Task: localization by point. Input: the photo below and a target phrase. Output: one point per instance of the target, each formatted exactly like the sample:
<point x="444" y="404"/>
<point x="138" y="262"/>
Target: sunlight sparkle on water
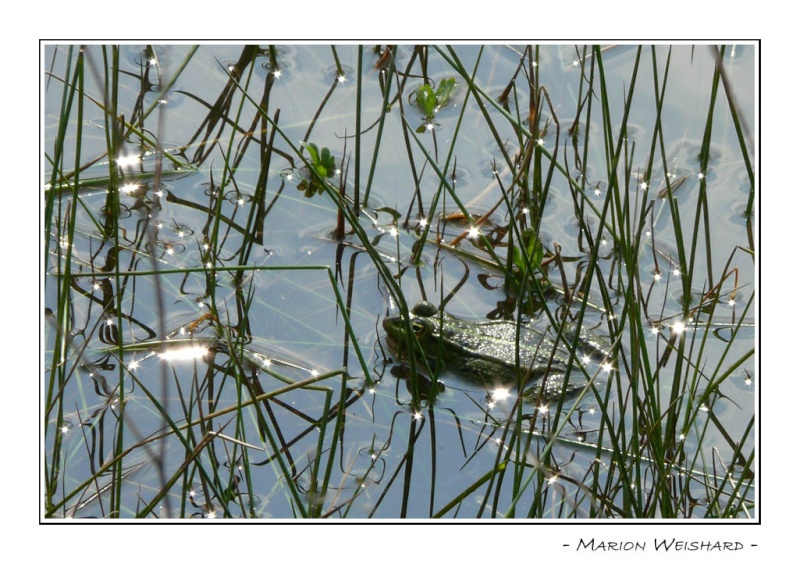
<point x="500" y="394"/>
<point x="393" y="231"/>
<point x="643" y="185"/>
<point x="678" y="327"/>
<point x="128" y="161"/>
<point x="423" y="222"/>
<point x="417" y="415"/>
<point x="341" y="78"/>
<point x="128" y="188"/>
<point x="276" y="73"/>
<point x="473" y="233"/>
<point x="193" y="352"/>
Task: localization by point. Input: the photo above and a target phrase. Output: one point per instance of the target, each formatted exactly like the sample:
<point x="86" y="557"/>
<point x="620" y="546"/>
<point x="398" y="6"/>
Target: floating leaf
<point x="445" y="89"/>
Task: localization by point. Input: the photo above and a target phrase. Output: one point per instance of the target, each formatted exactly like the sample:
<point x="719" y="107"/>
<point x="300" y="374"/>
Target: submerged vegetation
<point x="227" y="227"/>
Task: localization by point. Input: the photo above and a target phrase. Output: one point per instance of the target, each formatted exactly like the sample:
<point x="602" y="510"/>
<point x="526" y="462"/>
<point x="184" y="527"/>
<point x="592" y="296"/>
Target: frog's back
<point x="491" y="352"/>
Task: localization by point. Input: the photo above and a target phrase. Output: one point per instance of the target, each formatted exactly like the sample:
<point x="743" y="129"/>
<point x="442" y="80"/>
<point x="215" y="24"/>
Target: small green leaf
<point x="328" y="162"/>
<point x="533" y="247"/>
<point x="445" y="89"/>
<point x="313" y="153"/>
<point x="426" y="100"/>
<point x="516" y="257"/>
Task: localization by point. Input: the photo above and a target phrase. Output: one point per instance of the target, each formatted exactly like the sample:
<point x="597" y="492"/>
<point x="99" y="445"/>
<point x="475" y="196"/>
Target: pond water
<point x="213" y="341"/>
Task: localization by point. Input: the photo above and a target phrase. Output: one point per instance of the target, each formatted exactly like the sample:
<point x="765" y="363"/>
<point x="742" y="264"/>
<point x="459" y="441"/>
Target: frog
<point x="485" y="352"/>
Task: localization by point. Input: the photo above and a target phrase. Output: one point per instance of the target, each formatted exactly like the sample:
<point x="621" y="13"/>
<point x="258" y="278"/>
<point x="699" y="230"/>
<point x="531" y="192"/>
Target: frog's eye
<point x="417" y="327"/>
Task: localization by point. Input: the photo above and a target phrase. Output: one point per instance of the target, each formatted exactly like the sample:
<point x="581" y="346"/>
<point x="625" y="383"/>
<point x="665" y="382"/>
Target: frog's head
<point x="423" y="324"/>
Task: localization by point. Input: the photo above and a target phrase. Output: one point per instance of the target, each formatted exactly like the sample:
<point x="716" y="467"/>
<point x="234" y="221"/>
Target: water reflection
<point x="503" y="208"/>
